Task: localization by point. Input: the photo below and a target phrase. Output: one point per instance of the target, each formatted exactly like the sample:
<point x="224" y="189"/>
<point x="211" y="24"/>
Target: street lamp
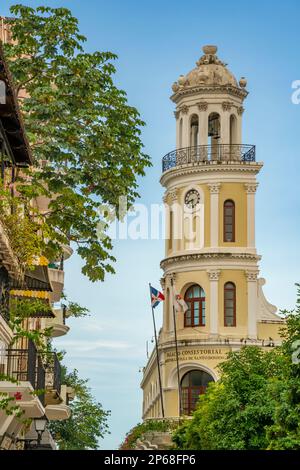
<point x="40" y="427"/>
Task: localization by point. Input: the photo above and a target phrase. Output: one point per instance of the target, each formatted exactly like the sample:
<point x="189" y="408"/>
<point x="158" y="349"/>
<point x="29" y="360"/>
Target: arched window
<point x="229" y="304"/>
<point x="193" y="384"/>
<point x="195" y="299"/>
<point x="229" y="221"/>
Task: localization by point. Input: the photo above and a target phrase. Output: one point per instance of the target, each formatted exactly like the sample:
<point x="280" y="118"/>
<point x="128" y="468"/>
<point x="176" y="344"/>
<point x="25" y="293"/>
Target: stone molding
<point x="207" y="90"/>
<point x="189" y="169"/>
<point x="173" y="194"/>
<point x="208" y="256"/>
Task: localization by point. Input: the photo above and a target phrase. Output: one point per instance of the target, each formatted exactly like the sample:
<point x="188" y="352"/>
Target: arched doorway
<point x="193" y="384"/>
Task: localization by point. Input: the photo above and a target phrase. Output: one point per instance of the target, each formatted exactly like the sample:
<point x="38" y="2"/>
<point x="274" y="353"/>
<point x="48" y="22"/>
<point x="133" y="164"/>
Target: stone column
<point x="251" y="189"/>
<point x="252" y="302"/>
<point x="185" y="126"/>
<point x="214" y="214"/>
<point x="203" y="122"/>
<point x="177" y="219"/>
<point x="225" y="122"/>
<point x="214" y="275"/>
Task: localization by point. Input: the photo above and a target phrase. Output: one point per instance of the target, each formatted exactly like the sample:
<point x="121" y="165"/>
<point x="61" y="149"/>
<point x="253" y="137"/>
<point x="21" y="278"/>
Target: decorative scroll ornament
<point x="214" y="188"/>
<point x="184" y="109"/>
<point x="251" y="275"/>
<point x="173" y="194"/>
<point x="214" y="274"/>
<point x="227" y="105"/>
<point x="240" y="110"/>
<point x="202" y="105"/>
<point x="251" y="187"/>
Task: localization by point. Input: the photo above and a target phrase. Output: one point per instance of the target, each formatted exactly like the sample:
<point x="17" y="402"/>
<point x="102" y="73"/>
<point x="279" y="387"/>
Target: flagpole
<point x="176" y="349"/>
<point x="157" y="358"/>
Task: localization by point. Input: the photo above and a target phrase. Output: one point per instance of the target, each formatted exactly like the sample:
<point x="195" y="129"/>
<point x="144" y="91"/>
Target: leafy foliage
<point x="84" y="135"/>
<point x="151" y="425"/>
<point x="88" y="421"/>
<point x="255" y="404"/>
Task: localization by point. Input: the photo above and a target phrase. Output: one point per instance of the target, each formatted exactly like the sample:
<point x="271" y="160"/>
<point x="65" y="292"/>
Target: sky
<point x="156" y="41"/>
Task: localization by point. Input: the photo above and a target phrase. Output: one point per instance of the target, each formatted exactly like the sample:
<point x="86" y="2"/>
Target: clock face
<point x="192" y="198"/>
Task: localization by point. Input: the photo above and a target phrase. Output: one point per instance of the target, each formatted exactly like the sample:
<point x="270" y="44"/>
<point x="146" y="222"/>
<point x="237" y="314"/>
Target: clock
<point x="192" y="198"/>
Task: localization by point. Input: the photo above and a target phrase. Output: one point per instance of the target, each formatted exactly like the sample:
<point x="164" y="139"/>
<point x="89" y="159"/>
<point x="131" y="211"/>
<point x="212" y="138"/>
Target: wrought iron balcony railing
<point x="203" y="154"/>
<point x="25" y="365"/>
<point x="42" y="370"/>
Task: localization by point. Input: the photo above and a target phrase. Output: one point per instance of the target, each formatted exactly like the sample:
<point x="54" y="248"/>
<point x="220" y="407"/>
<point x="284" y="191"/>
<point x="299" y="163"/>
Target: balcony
<point x="55" y="395"/>
<point x="58" y="323"/>
<point x="209" y="154"/>
<point x="57" y="279"/>
<point x="25" y="368"/>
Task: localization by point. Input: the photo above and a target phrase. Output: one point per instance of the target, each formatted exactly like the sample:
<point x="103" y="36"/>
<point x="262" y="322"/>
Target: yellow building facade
<point x="210" y="252"/>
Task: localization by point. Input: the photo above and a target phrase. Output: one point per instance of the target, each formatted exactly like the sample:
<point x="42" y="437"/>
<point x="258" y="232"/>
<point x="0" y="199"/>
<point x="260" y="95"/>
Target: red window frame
<point x="231" y="289"/>
<point x="229" y="204"/>
<point x="190" y="301"/>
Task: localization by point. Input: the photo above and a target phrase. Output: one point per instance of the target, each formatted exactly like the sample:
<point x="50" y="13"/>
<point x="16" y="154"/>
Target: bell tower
<point x="210" y="251"/>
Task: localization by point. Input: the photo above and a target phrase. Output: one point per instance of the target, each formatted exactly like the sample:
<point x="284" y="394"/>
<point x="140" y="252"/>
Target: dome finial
<point x="210" y="49"/>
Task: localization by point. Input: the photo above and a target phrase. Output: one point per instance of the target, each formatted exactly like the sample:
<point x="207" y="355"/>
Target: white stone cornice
<point x="205" y="90"/>
<point x="209" y="169"/>
<point x="214" y="274"/>
<point x="251" y="275"/>
<point x="201" y="260"/>
<point x="251" y="187"/>
<point x="214" y="188"/>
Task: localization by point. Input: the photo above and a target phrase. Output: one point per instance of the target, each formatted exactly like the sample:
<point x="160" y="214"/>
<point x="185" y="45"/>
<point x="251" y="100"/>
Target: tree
<point x="256" y="403"/>
<point x="88" y="421"/>
<point x="84" y="136"/>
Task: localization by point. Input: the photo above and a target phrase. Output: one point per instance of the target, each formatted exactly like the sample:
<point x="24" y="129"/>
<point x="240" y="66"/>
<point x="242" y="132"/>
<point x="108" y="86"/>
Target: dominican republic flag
<point x="156" y="297"/>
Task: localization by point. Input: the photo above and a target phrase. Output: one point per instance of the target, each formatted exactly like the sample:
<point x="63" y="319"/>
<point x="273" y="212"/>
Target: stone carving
<point x="163" y="283"/>
<point x="176" y="114"/>
<point x="251" y="187"/>
<point x="251" y="275"/>
<point x="173" y="194"/>
<point x="184" y="109"/>
<point x="240" y="110"/>
<point x="227" y="105"/>
<point x="214" y="188"/>
<point x="214" y="274"/>
<point x="202" y="105"/>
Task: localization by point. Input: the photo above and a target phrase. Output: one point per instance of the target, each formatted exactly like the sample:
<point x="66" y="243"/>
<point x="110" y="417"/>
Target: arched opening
<point x="193" y="384"/>
<point x="234" y="150"/>
<point x="194" y="131"/>
<point x="195" y="300"/>
<point x="229" y="304"/>
<point x="180" y="133"/>
<point x="214" y="134"/>
<point x="229" y="221"/>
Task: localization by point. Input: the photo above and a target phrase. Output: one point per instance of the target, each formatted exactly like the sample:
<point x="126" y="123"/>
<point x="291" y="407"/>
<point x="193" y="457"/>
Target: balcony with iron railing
<point x="209" y="154"/>
<point x="24" y="366"/>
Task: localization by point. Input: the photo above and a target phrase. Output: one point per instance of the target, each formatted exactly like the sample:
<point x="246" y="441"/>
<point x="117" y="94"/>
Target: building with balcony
<point x="29" y="378"/>
<point x="210" y="259"/>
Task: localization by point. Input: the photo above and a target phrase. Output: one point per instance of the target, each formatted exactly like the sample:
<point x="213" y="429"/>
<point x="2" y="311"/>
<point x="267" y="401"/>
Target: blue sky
<point x="156" y="41"/>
